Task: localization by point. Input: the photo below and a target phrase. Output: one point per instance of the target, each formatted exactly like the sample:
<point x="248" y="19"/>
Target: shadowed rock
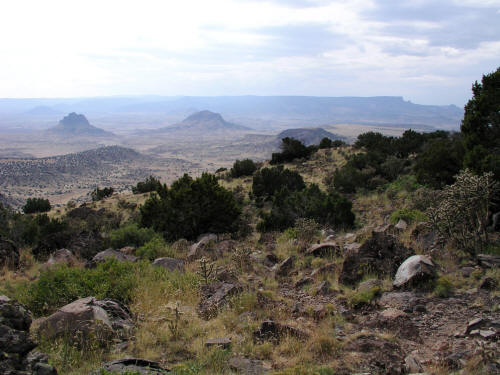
<point x="132" y="366"/>
<point x="415" y="270"/>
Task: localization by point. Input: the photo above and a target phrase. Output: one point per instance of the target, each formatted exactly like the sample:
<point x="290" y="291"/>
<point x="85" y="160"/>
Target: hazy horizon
<point x="429" y="52"/>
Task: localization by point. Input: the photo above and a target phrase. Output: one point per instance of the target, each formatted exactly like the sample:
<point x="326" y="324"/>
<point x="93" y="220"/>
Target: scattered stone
<point x="132" y="366"/>
<point x="61" y="256"/>
<point x="104" y="319"/>
<point x="401" y="225"/>
<point x="324" y="249"/>
<point x="284" y="267"/>
<point x="405" y="301"/>
<point x="413" y="365"/>
<point x="323" y="288"/>
<point x="170" y="264"/>
<point x="16" y="342"/>
<point x="414" y="271"/>
<point x="488" y="283"/>
<point x="381" y="254"/>
<point x="368" y="285"/>
<point x="247" y="366"/>
<point x="223" y="342"/>
<point x="109" y="254"/>
<point x="9" y="254"/>
<point x="420" y="308"/>
<point x="476" y="324"/>
<point x="398" y="322"/>
<point x="326" y="268"/>
<point x="303" y="281"/>
<point x="273" y="331"/>
<point x="214" y="296"/>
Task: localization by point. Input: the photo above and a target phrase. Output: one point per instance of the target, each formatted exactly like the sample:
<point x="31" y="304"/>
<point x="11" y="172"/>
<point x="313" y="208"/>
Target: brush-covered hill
<point x="203" y="123"/>
<point x="77" y="125"/>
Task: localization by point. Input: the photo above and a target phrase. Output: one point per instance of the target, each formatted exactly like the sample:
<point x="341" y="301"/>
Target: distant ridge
<point x="308" y="136"/>
<point x="77" y="125"/>
<point x="204" y="123"/>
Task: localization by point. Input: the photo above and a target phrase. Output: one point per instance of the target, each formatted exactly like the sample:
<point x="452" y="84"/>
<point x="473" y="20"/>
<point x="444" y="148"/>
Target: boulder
<point x="170" y="264"/>
<point x="128" y="250"/>
<point x="61" y="256"/>
<point x="405" y="301"/>
<point x="397" y="322"/>
<point x="413" y="365"/>
<point x="425" y="237"/>
<point x="324" y="249"/>
<point x="381" y="254"/>
<point x="203" y="248"/>
<point x="488" y="283"/>
<point x="222" y="342"/>
<point x="214" y="296"/>
<point x="285" y="267"/>
<point x="109" y="254"/>
<point x="16" y="342"/>
<point x="132" y="366"/>
<point x="9" y="254"/>
<point x="104" y="319"/>
<point x="303" y="281"/>
<point x="414" y="271"/>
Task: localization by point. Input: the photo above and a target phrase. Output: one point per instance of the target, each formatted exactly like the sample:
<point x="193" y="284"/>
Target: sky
<point x="428" y="51"/>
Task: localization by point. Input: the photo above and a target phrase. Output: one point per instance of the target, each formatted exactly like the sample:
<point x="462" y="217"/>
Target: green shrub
<point x="311" y="203"/>
<point x="291" y="149"/>
<point x="408" y="215"/>
<point x="155" y="248"/>
<point x="34" y="205"/>
<point x="150" y="184"/>
<point x="360" y="298"/>
<point x="244" y="167"/>
<point x="268" y="181"/>
<point x="131" y="235"/>
<point x="444" y="287"/>
<point x="191" y="207"/>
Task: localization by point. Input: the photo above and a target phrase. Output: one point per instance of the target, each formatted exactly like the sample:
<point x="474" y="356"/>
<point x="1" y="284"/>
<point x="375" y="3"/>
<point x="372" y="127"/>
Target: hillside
<point x="73" y="176"/>
<point x="77" y="125"/>
<point x="202" y="123"/>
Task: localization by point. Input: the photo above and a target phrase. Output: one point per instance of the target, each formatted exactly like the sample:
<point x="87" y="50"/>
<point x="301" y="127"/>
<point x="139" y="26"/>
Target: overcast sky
<point x="428" y="51"/>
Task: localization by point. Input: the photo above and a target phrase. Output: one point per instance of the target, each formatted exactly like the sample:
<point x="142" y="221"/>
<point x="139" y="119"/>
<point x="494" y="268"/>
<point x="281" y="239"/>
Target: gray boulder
<point x="415" y="270"/>
<point x="105" y="319"/>
<point x="61" y="256"/>
<point x="109" y="254"/>
<point x="202" y="248"/>
<point x="214" y="296"/>
<point x="170" y="264"/>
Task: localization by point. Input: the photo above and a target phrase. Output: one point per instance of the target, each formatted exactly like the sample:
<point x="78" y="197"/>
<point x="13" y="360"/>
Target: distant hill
<point x="43" y="110"/>
<point x="308" y="136"/>
<point x="202" y="123"/>
<point x="77" y="125"/>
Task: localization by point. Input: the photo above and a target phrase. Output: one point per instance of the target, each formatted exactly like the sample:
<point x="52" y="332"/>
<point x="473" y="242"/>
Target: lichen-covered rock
<point x="415" y="270"/>
<point x="381" y="254"/>
<point x="61" y="256"/>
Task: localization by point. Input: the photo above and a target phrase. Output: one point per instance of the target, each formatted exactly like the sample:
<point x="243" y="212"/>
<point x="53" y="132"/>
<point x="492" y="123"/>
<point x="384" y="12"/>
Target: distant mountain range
<point x="308" y="110"/>
<point x="77" y="125"/>
<point x="308" y="136"/>
<point x="202" y="123"/>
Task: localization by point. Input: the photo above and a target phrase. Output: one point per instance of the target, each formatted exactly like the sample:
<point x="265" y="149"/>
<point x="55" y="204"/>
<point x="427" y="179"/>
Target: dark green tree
<point x="268" y="181"/>
<point x="481" y="126"/>
<point x="244" y="167"/>
<point x="291" y="149"/>
<point x="150" y="184"/>
<point x="191" y="207"/>
<point x="35" y="205"/>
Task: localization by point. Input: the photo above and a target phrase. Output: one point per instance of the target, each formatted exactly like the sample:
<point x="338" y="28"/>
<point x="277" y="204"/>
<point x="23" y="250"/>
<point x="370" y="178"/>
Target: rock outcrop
<point x="415" y="270"/>
<point x="9" y="254"/>
<point x="132" y="366"/>
<point x="16" y="344"/>
<point x="109" y="254"/>
<point x="104" y="319"/>
<point x="381" y="254"/>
